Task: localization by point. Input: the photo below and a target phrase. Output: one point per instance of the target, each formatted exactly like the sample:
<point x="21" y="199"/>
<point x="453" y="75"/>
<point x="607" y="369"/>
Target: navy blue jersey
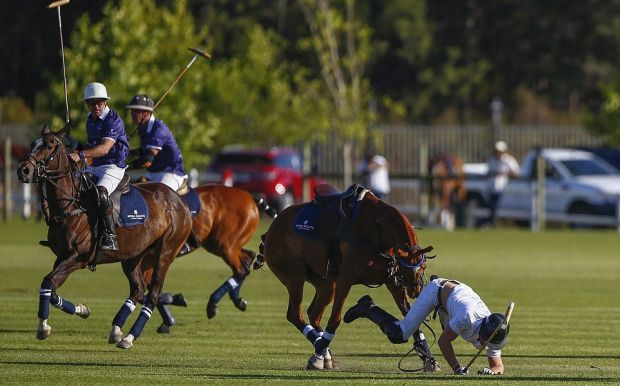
<point x="111" y="126"/>
<point x="158" y="136"/>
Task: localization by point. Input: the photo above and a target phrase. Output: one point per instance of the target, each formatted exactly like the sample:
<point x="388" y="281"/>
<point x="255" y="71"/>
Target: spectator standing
<point x="375" y="175"/>
<point x="501" y="167"/>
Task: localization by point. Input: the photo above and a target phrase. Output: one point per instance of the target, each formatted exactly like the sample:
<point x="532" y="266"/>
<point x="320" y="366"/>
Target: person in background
<point x="375" y="175"/>
<point x="501" y="167"/>
<point x="461" y="313"/>
<point x="108" y="148"/>
<point x="159" y="153"/>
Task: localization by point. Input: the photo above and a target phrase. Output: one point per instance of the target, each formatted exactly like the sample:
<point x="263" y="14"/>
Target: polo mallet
<point x="197" y="53"/>
<point x="505" y="322"/>
<point x="57" y="5"/>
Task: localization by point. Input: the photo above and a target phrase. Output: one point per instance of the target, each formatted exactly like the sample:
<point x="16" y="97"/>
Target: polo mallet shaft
<point x="57" y="5"/>
<point x="506" y="320"/>
<point x="197" y="53"/>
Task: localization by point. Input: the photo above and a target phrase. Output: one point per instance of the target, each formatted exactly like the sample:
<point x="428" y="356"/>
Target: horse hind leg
<point x="323" y="296"/>
<point x="232" y="286"/>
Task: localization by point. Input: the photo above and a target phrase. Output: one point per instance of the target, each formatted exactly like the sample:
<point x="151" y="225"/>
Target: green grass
<point x="564" y="328"/>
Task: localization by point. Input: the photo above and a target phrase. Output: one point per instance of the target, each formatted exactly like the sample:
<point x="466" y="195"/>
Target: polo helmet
<point x="141" y="102"/>
<point x="95" y="90"/>
<point x="489" y="324"/>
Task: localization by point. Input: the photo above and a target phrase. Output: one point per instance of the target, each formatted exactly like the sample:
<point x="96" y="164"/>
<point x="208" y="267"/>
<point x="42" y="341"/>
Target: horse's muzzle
<point x="25" y="172"/>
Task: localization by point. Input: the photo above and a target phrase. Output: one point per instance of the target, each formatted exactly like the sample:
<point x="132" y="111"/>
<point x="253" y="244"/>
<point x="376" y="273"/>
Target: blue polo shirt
<point x="157" y="135"/>
<point x="108" y="125"/>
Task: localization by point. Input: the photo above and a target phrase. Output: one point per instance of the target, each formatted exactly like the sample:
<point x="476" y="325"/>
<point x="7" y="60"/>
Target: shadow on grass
<point x="375" y="355"/>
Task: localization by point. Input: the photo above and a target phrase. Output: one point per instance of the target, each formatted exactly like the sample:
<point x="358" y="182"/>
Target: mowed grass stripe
<point x="564" y="283"/>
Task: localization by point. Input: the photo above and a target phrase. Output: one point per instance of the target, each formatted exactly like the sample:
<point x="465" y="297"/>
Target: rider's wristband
<point x="81" y="154"/>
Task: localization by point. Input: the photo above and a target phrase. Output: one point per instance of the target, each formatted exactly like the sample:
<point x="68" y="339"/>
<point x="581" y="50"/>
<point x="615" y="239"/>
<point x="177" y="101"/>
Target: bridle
<point x="42" y="174"/>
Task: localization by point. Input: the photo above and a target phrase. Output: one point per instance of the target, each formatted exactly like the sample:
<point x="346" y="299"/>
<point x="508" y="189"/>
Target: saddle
<point x="328" y="217"/>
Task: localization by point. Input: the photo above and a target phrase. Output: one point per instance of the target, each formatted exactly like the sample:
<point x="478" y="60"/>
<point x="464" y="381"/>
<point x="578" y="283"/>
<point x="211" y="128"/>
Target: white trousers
<point x="421" y="308"/>
<point x="109" y="176"/>
<point x="173" y="181"/>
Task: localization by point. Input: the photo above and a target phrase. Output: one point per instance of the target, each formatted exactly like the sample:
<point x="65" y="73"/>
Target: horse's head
<point x="46" y="153"/>
<point x="399" y="236"/>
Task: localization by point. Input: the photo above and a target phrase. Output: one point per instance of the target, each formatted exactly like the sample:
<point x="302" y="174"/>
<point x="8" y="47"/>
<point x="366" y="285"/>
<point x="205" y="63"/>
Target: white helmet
<point x="95" y="91"/>
<point x="501" y="146"/>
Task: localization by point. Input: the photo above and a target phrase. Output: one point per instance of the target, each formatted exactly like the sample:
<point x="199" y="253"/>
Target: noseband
<point x="41" y="171"/>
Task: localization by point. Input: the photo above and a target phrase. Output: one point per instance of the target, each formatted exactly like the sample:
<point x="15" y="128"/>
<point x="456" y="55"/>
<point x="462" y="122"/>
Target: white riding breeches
<point x="109" y="176"/>
<point x="173" y="181"/>
<point x="421" y="308"/>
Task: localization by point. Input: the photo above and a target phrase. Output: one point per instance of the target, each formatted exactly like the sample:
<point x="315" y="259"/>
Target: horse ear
<point x="45" y="130"/>
<point x="62" y="132"/>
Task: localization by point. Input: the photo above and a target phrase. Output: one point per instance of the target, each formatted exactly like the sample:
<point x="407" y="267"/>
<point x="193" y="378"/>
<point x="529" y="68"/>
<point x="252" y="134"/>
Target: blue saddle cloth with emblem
<point x="307" y="221"/>
<point x="133" y="209"/>
<point x="193" y="201"/>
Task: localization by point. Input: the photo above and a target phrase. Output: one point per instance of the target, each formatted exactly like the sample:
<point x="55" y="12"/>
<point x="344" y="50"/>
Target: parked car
<point x="276" y="173"/>
<point x="576" y="182"/>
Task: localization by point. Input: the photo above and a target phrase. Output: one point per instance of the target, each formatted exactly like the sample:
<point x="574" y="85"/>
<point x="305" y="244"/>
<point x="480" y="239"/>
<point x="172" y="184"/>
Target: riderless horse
<point x="151" y="241"/>
<point x="447" y="189"/>
<point x="224" y="221"/>
<point x="335" y="242"/>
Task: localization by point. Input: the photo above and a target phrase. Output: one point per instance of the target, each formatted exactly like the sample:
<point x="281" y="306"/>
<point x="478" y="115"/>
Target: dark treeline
<point x="442" y="61"/>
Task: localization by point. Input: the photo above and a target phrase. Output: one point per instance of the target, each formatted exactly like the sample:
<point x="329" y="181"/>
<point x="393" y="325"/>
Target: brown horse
<point x="226" y="222"/>
<point x="72" y="236"/>
<point x="377" y="246"/>
<point x="447" y="189"/>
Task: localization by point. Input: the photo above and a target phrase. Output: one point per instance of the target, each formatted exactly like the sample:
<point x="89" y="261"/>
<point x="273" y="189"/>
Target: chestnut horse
<point x="447" y="189"/>
<point x="226" y="222"/>
<point x="377" y="246"/>
<point x="72" y="236"/>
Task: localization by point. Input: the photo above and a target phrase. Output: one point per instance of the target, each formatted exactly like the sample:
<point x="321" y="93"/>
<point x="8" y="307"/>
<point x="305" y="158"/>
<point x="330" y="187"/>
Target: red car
<point x="275" y="173"/>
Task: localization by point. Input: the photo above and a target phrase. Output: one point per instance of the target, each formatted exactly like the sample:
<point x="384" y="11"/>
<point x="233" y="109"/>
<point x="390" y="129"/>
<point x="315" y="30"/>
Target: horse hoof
<point x="328" y="363"/>
<point x="82" y="311"/>
<point x="44" y="332"/>
<point x="116" y="335"/>
<point x="163" y="329"/>
<point x="241" y="304"/>
<point x="315" y="363"/>
<point x="125" y="344"/>
<point x="211" y="310"/>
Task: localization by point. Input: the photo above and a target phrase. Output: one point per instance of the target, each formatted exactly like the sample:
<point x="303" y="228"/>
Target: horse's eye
<point x="49" y="147"/>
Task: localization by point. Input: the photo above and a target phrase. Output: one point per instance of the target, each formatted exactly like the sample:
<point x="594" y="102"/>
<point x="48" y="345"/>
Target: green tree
<point x="341" y="43"/>
<point x="137" y="47"/>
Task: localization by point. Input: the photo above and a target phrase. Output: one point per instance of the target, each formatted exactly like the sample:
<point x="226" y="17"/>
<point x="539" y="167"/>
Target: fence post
<point x="7" y="179"/>
<point x="27" y="197"/>
<point x="537" y="217"/>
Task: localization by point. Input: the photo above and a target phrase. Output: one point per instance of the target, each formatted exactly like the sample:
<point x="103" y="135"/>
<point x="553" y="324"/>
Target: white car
<point x="577" y="182"/>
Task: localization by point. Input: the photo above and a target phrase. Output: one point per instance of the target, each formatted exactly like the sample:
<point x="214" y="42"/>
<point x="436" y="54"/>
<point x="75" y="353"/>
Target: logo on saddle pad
<point x="305" y="227"/>
<point x="135" y="215"/>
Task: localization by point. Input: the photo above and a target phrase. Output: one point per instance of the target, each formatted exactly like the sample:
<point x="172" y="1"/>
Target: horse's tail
<point x="262" y="205"/>
<point x="260" y="257"/>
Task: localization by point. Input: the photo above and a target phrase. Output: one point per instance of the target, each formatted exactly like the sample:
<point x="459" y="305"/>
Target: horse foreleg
<point x="132" y="271"/>
<point x="323" y="296"/>
<point x="47" y="295"/>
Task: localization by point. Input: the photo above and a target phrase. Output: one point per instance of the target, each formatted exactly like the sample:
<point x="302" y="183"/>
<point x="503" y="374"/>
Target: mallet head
<point x="199" y="52"/>
<point x="58" y="3"/>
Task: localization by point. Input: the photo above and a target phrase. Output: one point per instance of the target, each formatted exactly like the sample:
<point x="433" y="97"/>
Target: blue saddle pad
<point x="193" y="201"/>
<point x="133" y="209"/>
<point x="307" y="221"/>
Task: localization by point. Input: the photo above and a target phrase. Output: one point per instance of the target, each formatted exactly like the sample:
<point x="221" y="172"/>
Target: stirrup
<point x="109" y="243"/>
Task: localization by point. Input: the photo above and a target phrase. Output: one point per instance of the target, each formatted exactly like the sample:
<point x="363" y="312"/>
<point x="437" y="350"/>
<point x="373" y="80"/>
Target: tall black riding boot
<point x="424" y="352"/>
<point x="105" y="210"/>
<point x="366" y="308"/>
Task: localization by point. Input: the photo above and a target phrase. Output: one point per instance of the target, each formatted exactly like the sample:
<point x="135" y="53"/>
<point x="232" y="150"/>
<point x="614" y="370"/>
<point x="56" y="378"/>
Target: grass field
<point x="566" y="286"/>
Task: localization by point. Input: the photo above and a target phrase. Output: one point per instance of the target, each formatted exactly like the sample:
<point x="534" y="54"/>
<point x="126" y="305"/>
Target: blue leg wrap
<point x="323" y="342"/>
<point x="44" y="302"/>
<point x="63" y="304"/>
<point x="123" y="313"/>
<point x="235" y="291"/>
<point x="220" y="292"/>
<point x="310" y="333"/>
<point x="138" y="326"/>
